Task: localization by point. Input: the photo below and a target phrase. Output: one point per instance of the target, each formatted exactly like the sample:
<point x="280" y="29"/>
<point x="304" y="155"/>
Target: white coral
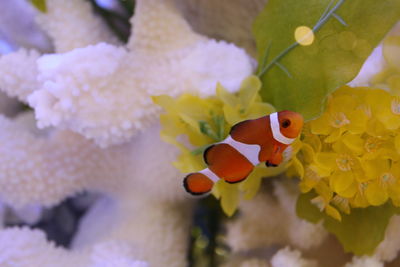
<point x="19" y="73"/>
<point x="390" y="246"/>
<point x="157" y="232"/>
<point x="95" y="88"/>
<point x="27" y="248"/>
<point x="302" y="234"/>
<point x="291" y="258"/>
<point x="72" y="24"/>
<point x="364" y="262"/>
<point x="46" y="169"/>
<point x="280" y="223"/>
<point x="24" y="247"/>
<point x="114" y="254"/>
<point x="56" y="165"/>
<point x="103" y="91"/>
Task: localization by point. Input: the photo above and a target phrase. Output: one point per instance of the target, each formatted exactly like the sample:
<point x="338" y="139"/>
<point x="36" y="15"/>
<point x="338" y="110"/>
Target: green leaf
<point x="40" y="5"/>
<point x="299" y="78"/>
<point x="360" y="232"/>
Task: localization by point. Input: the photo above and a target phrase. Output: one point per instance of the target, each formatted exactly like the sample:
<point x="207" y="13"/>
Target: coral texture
<point x="89" y="70"/>
<point x="280" y="224"/>
<point x="91" y="97"/>
<point x="96" y="93"/>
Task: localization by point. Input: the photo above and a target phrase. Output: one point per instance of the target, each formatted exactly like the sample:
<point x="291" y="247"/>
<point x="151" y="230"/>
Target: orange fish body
<point x="249" y="143"/>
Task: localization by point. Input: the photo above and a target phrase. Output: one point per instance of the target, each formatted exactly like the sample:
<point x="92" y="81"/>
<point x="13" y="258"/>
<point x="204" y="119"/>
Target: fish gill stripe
<point x="250" y="152"/>
<point x="276" y="131"/>
<point x="210" y="174"/>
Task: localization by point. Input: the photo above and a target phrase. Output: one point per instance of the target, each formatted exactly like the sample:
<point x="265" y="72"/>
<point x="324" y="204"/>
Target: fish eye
<point x="285" y="123"/>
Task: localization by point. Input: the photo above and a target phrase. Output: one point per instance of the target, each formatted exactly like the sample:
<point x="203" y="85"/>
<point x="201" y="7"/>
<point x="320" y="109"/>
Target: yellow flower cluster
<point x="192" y="123"/>
<point x="350" y="154"/>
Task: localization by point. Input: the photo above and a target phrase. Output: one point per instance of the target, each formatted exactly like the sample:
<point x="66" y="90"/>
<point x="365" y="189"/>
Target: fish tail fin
<point x="198" y="183"/>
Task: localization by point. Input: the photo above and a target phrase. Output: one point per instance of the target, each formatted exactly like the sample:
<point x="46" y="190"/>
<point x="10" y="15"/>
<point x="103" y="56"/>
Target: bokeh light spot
<point x="304" y="35"/>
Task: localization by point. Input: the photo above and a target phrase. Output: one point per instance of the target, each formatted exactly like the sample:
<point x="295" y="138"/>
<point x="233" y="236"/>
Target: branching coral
<point x="19" y="73"/>
<point x="158" y="233"/>
<point x="81" y="23"/>
<point x="280" y="224"/>
<point x="364" y="262"/>
<point x="46" y="169"/>
<point x="60" y="164"/>
<point x="284" y="257"/>
<point x="101" y="90"/>
<point x="26" y="248"/>
<point x="291" y="258"/>
<point x="95" y="92"/>
<point x="159" y="58"/>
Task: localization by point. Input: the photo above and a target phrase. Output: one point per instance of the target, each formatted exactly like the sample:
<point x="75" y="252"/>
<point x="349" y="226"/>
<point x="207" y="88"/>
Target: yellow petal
<point x="226" y="97"/>
<point x="358" y="120"/>
<point x="397" y="143"/>
<point x="390" y="121"/>
<point x="321" y="125"/>
<point x="376" y="128"/>
<point x="248" y="91"/>
<point x="342" y="103"/>
<point x="259" y="109"/>
<point x="334" y="135"/>
<point x="334" y="213"/>
<point x="325" y="163"/>
<point x="314" y="141"/>
<point x="229" y="194"/>
<point x="171" y="124"/>
<point x="194" y="124"/>
<point x="394" y="84"/>
<point x="216" y="191"/>
<point x="374" y="168"/>
<point x="311" y="178"/>
<point x="379" y="101"/>
<point x="354" y="142"/>
<point x="251" y="185"/>
<point x="304" y="188"/>
<point x="391" y="50"/>
<point x="350" y="191"/>
<point x="341" y="203"/>
<point x="165" y="101"/>
<point x="233" y="115"/>
<point x="375" y="194"/>
<point x="324" y="191"/>
<point x="359" y="200"/>
<point x="296" y="169"/>
<point x="340" y="181"/>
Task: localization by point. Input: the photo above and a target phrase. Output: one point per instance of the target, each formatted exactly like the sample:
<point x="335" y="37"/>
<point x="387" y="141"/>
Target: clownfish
<point x="249" y="143"/>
